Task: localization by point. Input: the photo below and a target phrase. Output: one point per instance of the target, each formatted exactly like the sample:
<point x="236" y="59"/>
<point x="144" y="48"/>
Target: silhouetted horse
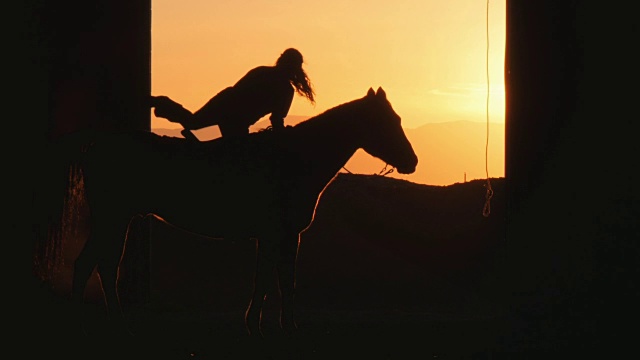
<point x="264" y="187"/>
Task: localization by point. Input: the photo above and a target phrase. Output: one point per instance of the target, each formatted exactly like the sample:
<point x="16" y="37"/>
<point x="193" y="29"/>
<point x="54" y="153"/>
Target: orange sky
<point x="429" y="55"/>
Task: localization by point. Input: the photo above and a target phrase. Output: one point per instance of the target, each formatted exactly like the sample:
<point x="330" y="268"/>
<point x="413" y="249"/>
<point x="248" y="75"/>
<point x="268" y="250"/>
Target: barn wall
<point x="87" y="68"/>
<point x="572" y="237"/>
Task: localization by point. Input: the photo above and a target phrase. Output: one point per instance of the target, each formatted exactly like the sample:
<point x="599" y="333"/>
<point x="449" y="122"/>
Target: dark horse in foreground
<point x="265" y="187"/>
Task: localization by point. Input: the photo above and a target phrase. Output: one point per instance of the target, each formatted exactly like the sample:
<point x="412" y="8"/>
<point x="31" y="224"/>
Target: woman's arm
<point x="281" y="110"/>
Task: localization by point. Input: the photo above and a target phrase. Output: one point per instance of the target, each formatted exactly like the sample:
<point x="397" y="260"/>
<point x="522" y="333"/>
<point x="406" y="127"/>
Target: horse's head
<point x="383" y="135"/>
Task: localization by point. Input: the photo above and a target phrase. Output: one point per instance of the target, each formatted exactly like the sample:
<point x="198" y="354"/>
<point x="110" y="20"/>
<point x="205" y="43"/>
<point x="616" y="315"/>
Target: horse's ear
<point x="381" y="93"/>
<point x="370" y="92"/>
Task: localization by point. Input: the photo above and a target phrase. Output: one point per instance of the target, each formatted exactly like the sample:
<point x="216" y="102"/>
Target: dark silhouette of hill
<point x="388" y="268"/>
<point x="377" y="244"/>
<point x="447" y="150"/>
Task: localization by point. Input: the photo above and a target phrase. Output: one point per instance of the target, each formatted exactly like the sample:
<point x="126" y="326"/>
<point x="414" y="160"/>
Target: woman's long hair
<point x="291" y="60"/>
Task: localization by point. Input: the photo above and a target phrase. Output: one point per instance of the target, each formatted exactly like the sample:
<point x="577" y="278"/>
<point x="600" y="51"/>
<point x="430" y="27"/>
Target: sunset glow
<point x="430" y="56"/>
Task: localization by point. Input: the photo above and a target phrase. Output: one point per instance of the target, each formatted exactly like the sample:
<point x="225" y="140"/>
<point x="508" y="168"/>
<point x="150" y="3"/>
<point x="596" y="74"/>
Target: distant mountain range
<point x="448" y="152"/>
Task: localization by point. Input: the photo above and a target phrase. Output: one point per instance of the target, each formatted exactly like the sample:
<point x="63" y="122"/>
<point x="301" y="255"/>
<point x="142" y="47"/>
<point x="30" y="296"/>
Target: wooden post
<point x="96" y="55"/>
<point x="572" y="244"/>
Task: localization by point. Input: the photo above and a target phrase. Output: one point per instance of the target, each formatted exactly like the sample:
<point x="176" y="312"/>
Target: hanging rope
<point x="489" y="194"/>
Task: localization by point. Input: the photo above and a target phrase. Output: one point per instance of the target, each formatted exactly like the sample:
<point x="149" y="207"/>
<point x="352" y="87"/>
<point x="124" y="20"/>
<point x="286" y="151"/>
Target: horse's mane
<point x="333" y="112"/>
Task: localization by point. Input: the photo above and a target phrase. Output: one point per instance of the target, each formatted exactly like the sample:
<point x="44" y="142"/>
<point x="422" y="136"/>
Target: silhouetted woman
<point x="263" y="90"/>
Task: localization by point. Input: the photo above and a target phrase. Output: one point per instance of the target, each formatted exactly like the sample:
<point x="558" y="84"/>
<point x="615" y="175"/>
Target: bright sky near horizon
<point x="430" y="56"/>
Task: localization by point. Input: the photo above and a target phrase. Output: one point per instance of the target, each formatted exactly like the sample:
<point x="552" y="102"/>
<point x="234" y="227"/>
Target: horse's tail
<point x="62" y="200"/>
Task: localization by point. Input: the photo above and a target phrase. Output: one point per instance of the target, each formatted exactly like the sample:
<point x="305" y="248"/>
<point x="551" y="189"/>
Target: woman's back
<point x="263" y="90"/>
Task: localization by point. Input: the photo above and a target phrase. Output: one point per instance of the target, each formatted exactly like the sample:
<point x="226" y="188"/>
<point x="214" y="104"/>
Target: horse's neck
<point x="329" y="141"/>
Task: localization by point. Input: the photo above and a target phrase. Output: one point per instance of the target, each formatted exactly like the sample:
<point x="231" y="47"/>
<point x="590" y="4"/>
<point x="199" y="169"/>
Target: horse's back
<point x="206" y="184"/>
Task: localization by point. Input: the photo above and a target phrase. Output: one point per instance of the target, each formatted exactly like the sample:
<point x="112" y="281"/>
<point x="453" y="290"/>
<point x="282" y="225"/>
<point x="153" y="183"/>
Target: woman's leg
<point x="169" y="109"/>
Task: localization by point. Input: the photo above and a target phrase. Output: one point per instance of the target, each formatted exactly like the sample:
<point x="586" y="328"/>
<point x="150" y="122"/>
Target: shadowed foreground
<point x="414" y="277"/>
<point x="322" y="335"/>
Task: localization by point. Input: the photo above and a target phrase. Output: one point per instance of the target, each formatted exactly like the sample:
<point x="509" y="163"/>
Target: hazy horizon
<point x="449" y="152"/>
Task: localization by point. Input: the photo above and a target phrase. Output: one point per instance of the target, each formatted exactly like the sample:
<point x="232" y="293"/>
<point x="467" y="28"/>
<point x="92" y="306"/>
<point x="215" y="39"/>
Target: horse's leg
<point x="111" y="254"/>
<point x="83" y="267"/>
<point x="264" y="273"/>
<point x="286" y="277"/>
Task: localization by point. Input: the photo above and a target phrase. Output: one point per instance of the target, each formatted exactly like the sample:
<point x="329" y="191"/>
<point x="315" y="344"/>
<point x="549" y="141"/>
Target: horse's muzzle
<point x="409" y="167"/>
<point x="406" y="169"/>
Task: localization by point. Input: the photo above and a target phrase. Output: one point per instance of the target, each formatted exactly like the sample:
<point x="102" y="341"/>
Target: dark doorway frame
<point x="571" y="237"/>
